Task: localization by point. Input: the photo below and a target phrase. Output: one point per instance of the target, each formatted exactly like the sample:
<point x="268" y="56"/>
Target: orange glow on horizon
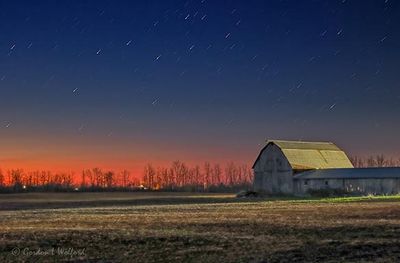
<point x="77" y="153"/>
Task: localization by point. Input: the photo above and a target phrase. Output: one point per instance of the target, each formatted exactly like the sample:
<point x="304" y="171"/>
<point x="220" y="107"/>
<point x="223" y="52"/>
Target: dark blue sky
<point x="139" y="81"/>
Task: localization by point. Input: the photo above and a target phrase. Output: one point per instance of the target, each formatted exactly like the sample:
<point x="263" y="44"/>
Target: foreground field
<point x="145" y="227"/>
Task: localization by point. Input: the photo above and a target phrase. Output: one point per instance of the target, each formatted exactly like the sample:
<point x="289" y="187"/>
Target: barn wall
<point x="384" y="186"/>
<point x="374" y="186"/>
<point x="301" y="186"/>
<point x="272" y="172"/>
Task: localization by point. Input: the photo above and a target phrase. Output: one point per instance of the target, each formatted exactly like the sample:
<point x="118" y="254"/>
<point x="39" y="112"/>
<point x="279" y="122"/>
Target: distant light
<point x="76" y="189"/>
<point x="24" y="187"/>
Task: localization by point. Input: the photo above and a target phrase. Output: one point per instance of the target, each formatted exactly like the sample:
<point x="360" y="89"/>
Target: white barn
<point x="296" y="167"/>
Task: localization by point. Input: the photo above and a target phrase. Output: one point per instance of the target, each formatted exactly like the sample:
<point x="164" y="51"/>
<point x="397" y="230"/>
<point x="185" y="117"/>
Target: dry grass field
<point x="177" y="227"/>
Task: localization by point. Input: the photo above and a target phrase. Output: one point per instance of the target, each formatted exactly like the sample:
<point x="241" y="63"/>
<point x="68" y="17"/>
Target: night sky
<point x="117" y="84"/>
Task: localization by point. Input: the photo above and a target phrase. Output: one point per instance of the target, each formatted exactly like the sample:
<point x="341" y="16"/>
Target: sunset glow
<point x="98" y="85"/>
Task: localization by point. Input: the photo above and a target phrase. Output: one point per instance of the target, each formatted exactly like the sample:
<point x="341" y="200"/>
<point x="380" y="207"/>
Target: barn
<point x="297" y="167"/>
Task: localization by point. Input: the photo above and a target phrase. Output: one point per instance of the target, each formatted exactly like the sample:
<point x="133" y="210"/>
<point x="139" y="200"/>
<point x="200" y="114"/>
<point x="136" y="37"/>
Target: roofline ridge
<point x="325" y="142"/>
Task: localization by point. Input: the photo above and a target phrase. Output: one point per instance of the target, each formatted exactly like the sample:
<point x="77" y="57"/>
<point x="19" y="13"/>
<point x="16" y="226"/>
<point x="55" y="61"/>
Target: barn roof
<point x="351" y="173"/>
<point x="311" y="155"/>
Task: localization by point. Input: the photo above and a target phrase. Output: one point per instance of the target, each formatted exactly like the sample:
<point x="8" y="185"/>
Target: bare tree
<point x="83" y="179"/>
<point x="217" y="174"/>
<point x="371" y="162"/>
<point x="125" y="178"/>
<point x="15" y="178"/>
<point x="197" y="176"/>
<point x="148" y="177"/>
<point x="230" y="173"/>
<point x="208" y="179"/>
<point x="165" y="177"/>
<point x="159" y="178"/>
<point x="357" y="161"/>
<point x="97" y="177"/>
<point x="247" y="174"/>
<point x="180" y="172"/>
<point x="108" y="179"/>
<point x="380" y="161"/>
<point x="2" y="179"/>
<point x="391" y="163"/>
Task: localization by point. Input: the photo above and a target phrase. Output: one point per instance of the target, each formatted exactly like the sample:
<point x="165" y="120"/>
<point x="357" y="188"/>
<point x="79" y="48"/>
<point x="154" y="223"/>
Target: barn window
<point x="326" y="182"/>
<point x="306" y="182"/>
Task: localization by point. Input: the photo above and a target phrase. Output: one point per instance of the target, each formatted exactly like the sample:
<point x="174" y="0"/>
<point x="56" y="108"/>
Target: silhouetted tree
<point x="125" y="178"/>
<point x="207" y="176"/>
<point x="148" y="178"/>
<point x="2" y="179"/>
<point x="109" y="179"/>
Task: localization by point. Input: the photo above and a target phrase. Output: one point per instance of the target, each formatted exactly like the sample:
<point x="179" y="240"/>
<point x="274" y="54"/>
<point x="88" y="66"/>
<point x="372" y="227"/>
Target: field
<point x="176" y="227"/>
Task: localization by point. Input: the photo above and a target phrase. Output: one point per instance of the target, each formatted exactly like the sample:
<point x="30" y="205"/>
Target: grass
<point x="176" y="227"/>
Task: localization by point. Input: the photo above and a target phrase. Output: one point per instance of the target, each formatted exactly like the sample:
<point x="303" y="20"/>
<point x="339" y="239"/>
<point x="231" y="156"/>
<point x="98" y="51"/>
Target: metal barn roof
<point x="311" y="155"/>
<point x="351" y="173"/>
<point x="305" y="145"/>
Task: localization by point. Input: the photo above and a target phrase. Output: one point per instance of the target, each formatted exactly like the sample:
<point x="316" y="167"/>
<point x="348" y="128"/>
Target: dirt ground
<point x="170" y="227"/>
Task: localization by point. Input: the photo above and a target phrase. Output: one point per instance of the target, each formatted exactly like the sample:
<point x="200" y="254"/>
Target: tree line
<point x="16" y="180"/>
<point x="379" y="160"/>
<point x="178" y="176"/>
<point x="197" y="178"/>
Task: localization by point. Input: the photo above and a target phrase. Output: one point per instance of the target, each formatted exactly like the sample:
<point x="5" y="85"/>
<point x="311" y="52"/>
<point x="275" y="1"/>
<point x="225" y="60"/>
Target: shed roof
<point x="351" y="173"/>
<point x="311" y="155"/>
